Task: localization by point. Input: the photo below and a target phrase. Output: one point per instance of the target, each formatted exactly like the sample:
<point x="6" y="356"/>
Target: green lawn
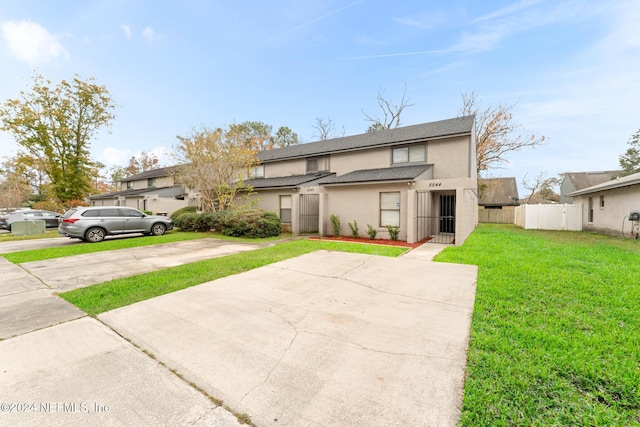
<point x="120" y="292"/>
<point x="555" y="337"/>
<point x="120" y="243"/>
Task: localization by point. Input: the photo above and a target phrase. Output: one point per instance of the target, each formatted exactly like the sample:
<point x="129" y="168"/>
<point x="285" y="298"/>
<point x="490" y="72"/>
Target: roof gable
<point x="421" y="132"/>
<point x="498" y="191"/>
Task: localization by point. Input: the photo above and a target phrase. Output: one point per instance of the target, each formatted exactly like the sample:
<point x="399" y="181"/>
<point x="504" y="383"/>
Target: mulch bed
<point x="387" y="242"/>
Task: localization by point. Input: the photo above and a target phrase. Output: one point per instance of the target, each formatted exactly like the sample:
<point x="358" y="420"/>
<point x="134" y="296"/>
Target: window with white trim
<point x="390" y="209"/>
<point x="285" y="209"/>
<point x="318" y="164"/>
<point x="410" y="154"/>
<point x="258" y="172"/>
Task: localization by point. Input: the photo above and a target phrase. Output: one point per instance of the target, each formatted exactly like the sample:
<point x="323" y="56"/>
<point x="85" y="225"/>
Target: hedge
<point x="242" y="223"/>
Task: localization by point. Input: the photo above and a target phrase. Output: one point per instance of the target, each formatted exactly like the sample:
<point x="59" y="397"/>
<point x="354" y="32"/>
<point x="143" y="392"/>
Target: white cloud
<point x="115" y="156"/>
<point x="31" y="42"/>
<point x="149" y="34"/>
<point x="127" y="31"/>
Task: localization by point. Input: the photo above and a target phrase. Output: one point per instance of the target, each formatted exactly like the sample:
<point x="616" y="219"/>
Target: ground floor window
<point x="390" y="209"/>
<point x="285" y="209"/>
<point x="590" y="209"/>
<point x="601" y="202"/>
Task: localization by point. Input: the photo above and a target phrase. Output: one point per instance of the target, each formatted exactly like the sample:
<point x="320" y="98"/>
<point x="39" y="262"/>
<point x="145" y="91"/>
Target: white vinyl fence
<point x="549" y="217"/>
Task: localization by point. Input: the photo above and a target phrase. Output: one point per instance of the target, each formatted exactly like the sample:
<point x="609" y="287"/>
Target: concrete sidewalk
<point x="27" y="304"/>
<point x="28" y="245"/>
<point x="328" y="338"/>
<point x="81" y="373"/>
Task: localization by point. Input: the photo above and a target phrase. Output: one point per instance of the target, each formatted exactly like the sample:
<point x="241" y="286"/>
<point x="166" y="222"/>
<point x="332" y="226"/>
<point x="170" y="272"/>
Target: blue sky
<point x="572" y="66"/>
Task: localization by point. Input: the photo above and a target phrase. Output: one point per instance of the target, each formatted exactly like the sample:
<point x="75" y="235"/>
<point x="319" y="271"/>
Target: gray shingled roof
<point x="498" y="192"/>
<point x="152" y="173"/>
<point x="130" y="192"/>
<point x="285" y="181"/>
<point x="401" y="173"/>
<point x="442" y="128"/>
<point x="625" y="181"/>
<point x="582" y="180"/>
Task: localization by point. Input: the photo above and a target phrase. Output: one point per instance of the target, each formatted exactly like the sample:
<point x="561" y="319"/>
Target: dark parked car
<point x="94" y="223"/>
<point x="51" y="219"/>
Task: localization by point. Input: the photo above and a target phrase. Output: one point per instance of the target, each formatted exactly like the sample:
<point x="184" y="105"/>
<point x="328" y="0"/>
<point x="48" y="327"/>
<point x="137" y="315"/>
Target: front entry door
<point x="447" y="213"/>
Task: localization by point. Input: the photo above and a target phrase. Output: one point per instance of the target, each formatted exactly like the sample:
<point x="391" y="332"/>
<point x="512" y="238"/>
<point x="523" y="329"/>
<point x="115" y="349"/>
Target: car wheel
<point x="158" y="229"/>
<point x="94" y="235"/>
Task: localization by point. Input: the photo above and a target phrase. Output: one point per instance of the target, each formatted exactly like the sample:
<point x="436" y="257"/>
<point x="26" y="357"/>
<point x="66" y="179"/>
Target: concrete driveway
<point x="327" y="338"/>
<point x="79" y="271"/>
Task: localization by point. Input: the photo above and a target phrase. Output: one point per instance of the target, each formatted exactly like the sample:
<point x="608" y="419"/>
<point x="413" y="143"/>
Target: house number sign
<point x="435" y="184"/>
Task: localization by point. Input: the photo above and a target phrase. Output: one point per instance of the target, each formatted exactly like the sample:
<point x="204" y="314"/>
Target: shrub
<point x="393" y="230"/>
<point x="243" y="223"/>
<point x="187" y="209"/>
<point x="354" y="229"/>
<point x="186" y="221"/>
<point x="250" y="223"/>
<point x="335" y="223"/>
<point x="372" y="232"/>
<point x="144" y="211"/>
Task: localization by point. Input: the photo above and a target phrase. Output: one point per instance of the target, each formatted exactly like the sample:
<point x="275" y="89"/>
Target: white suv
<point x="94" y="223"/>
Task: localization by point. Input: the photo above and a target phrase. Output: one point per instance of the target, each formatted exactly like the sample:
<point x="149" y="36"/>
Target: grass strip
<point x="125" y="291"/>
<point x="555" y="335"/>
<point x="80" y="248"/>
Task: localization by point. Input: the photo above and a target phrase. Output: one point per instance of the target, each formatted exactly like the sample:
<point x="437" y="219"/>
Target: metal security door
<point x="309" y="213"/>
<point x="436" y="217"/>
<point x="447" y="213"/>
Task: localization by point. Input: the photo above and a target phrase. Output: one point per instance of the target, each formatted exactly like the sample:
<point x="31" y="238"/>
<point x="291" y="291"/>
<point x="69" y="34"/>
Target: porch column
<point x="322" y="214"/>
<point x="295" y="214"/>
<point x="412" y="217"/>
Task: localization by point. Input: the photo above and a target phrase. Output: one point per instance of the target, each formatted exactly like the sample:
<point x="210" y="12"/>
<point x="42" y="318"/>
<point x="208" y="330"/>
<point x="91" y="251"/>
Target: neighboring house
<point x="498" y="198"/>
<point x="576" y="181"/>
<point x="606" y="206"/>
<point x="421" y="178"/>
<point x="153" y="190"/>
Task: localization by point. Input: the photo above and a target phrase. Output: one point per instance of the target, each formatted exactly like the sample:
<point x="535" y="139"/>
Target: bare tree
<point x="497" y="134"/>
<point x="390" y="113"/>
<point x="541" y="188"/>
<point x="326" y="129"/>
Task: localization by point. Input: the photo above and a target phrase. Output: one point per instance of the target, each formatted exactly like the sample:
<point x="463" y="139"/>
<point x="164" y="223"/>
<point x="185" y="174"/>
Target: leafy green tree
<point x="259" y="136"/>
<point x="630" y="160"/>
<point x="53" y="125"/>
<point x="214" y="161"/>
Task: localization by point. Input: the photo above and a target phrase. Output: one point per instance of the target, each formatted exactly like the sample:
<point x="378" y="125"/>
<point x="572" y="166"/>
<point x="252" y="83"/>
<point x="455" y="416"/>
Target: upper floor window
<point x="151" y="182"/>
<point x="257" y="172"/>
<point x="129" y="185"/>
<point x="318" y="164"/>
<point x="411" y="154"/>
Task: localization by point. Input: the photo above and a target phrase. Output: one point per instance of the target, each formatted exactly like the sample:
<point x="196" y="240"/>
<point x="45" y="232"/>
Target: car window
<point x="91" y="214"/>
<point x="131" y="213"/>
<point x="68" y="213"/>
<point x="109" y="212"/>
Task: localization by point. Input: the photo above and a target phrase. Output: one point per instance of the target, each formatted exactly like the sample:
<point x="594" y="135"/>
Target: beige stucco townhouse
<point x="153" y="190"/>
<point x="421" y="178"/>
<point x="606" y="206"/>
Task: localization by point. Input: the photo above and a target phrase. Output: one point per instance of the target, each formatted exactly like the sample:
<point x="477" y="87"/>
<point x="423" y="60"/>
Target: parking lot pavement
<point x="82" y="373"/>
<point x="327" y="338"/>
<point x="79" y="271"/>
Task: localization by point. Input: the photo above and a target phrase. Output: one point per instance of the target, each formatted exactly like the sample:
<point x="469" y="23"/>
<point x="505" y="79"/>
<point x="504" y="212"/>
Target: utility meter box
<point x="634" y="216"/>
<point x="27" y="228"/>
